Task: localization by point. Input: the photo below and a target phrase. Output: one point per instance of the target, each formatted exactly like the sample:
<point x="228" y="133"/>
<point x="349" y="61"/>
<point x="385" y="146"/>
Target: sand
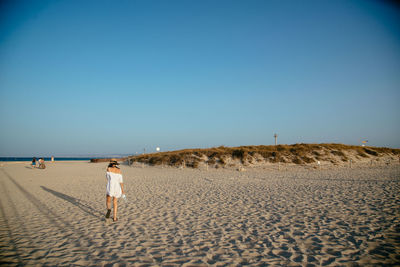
<point x="173" y="217"/>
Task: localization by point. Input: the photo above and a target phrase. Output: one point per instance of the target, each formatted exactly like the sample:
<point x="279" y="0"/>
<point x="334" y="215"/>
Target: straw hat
<point x="114" y="161"/>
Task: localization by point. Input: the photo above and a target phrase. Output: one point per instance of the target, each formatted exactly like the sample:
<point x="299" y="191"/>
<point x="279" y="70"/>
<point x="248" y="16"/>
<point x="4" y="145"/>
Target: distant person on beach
<point x="41" y="164"/>
<point x="115" y="187"/>
<point x="34" y="162"/>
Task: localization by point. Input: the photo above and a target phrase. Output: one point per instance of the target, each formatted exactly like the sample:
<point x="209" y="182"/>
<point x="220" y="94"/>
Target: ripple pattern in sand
<point x="198" y="218"/>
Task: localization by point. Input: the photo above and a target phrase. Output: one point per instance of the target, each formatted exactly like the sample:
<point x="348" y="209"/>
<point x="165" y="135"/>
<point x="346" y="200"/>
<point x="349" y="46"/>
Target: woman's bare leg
<point x="115" y="202"/>
<point x="108" y="205"/>
<point x="108" y="202"/>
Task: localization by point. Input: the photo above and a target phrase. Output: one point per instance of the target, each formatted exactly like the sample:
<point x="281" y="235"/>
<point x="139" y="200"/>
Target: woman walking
<point x="115" y="188"/>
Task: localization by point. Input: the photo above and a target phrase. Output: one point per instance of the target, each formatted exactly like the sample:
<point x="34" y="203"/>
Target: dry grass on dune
<point x="233" y="156"/>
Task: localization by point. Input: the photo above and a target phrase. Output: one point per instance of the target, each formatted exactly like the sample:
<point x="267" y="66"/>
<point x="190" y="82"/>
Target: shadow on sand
<point x="78" y="203"/>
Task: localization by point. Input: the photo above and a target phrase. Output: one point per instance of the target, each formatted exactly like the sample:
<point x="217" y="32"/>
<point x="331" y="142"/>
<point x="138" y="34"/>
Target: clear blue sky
<point x="108" y="77"/>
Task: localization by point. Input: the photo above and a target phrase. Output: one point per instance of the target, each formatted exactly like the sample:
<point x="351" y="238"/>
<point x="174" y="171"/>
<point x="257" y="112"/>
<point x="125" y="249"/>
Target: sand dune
<point x="310" y="155"/>
<point x="190" y="217"/>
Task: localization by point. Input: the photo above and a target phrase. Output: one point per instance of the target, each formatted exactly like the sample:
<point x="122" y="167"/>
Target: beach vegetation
<point x="297" y="160"/>
<point x="247" y="155"/>
<point x="371" y="152"/>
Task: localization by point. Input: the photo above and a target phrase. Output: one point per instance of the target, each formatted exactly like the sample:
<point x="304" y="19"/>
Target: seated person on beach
<point x="115" y="187"/>
<point x="41" y="164"/>
<point x="33" y="162"/>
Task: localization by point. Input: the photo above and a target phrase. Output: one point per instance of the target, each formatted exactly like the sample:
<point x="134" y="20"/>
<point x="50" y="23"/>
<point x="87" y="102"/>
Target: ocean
<point x="45" y="159"/>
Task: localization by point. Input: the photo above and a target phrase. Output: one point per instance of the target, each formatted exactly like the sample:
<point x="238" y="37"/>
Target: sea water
<point x="45" y="159"/>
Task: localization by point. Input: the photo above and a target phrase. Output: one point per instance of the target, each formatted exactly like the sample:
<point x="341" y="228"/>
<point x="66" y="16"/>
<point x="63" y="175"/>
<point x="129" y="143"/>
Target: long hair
<point x="112" y="164"/>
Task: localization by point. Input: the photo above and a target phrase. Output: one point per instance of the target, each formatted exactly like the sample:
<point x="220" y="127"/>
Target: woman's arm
<point x="122" y="188"/>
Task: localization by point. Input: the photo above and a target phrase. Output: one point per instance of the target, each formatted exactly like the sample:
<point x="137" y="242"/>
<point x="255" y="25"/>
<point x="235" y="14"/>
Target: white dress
<point x="113" y="184"/>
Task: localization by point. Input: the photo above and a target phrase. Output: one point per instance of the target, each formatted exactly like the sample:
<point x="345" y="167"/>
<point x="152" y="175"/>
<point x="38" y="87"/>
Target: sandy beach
<point x="189" y="217"/>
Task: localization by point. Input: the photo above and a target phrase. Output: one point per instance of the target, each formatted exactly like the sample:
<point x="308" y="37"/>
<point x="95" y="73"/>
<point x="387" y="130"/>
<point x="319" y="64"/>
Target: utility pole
<point x="276" y="138"/>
